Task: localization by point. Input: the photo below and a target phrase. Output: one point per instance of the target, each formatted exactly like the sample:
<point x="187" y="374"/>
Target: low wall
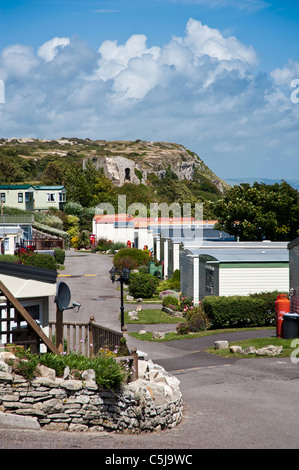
<point x="151" y="403"/>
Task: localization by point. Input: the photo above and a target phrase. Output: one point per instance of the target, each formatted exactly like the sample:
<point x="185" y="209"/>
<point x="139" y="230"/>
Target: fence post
<point x="91" y="336"/>
<point x="134" y="354"/>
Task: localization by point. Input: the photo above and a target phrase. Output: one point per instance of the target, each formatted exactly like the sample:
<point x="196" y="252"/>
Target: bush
<point x="143" y="269"/>
<point x="109" y="373"/>
<point x="142" y="285"/>
<point x="116" y="246"/>
<point x="74" y="208"/>
<point x="83" y="240"/>
<point x="139" y="256"/>
<point x="125" y="262"/>
<point x="174" y="281"/>
<point x="59" y="255"/>
<point x="103" y="244"/>
<point x="40" y="260"/>
<point x="196" y="320"/>
<point x="169" y="301"/>
<point x="182" y="328"/>
<point x="240" y="311"/>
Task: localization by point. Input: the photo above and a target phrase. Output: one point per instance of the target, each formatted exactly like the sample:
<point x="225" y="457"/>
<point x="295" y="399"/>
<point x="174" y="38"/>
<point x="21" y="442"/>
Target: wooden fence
<point x="86" y="338"/>
<point x="44" y="243"/>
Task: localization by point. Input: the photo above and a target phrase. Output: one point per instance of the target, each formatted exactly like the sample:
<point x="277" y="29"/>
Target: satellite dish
<point x="63" y="296"/>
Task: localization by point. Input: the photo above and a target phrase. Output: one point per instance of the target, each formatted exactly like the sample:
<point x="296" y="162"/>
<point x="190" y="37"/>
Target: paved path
<point x="228" y="403"/>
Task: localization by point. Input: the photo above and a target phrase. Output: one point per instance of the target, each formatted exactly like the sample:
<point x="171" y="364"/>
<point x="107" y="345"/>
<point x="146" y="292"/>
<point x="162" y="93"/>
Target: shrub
<point x="89" y="212"/>
<point x="83" y="240"/>
<point x="116" y="246"/>
<point x="169" y="301"/>
<point x="174" y="281"/>
<point x="142" y="285"/>
<point x="140" y="257"/>
<point x="239" y="311"/>
<point x="143" y="269"/>
<point x="109" y="373"/>
<point x="125" y="262"/>
<point x="40" y="260"/>
<point x="74" y="208"/>
<point x="182" y="328"/>
<point x="103" y="244"/>
<point x="196" y="320"/>
<point x="59" y="255"/>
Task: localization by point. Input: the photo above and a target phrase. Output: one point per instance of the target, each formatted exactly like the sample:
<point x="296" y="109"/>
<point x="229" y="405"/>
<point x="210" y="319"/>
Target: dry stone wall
<point x="151" y="403"/>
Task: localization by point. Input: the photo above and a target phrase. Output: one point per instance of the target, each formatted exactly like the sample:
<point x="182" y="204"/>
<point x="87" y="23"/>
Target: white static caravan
<point x="236" y="268"/>
<point x="123" y="228"/>
<point x="203" y="234"/>
<point x="33" y="288"/>
<point x="293" y="248"/>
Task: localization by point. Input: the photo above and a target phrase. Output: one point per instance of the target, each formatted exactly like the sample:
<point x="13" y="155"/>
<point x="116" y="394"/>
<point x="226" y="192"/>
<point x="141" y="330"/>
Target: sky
<point x="220" y="77"/>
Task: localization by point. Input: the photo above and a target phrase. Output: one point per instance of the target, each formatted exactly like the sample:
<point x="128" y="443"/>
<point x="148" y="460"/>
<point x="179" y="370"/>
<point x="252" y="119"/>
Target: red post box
<point x="282" y="306"/>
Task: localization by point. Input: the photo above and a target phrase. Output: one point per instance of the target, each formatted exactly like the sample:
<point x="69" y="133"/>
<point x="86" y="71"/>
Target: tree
<point x="260" y="212"/>
<point x="53" y="174"/>
<point x="88" y="185"/>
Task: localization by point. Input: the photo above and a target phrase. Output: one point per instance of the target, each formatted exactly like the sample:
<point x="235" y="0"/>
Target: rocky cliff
<point x="135" y="161"/>
<point x="122" y="161"/>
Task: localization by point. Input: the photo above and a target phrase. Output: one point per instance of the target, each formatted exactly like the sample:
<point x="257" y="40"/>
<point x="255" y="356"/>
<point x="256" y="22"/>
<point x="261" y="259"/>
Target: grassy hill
<point x="173" y="173"/>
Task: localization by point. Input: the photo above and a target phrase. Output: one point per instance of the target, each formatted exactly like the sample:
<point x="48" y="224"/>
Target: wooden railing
<point x="18" y="327"/>
<point x="86" y="338"/>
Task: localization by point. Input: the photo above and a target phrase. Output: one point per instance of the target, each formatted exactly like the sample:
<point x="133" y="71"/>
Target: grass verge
<point x="151" y="316"/>
<point x="256" y="343"/>
<point x="174" y="336"/>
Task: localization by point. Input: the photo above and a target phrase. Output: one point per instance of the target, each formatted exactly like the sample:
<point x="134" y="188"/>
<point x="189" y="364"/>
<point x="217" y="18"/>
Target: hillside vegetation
<point x="60" y="162"/>
<point x="93" y="173"/>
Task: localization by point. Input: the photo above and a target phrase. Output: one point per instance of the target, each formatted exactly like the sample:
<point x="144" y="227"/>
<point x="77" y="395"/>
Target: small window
<point x="209" y="281"/>
<point x="2" y="197"/>
<point x="20" y="198"/>
<point x="51" y="197"/>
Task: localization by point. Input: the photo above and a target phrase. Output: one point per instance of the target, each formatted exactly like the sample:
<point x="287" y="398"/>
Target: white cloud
<point x="49" y="50"/>
<point x="17" y="62"/>
<point x="202" y="55"/>
<point x="284" y="76"/>
<point x="202" y="90"/>
<point x="203" y="40"/>
<point x="115" y="58"/>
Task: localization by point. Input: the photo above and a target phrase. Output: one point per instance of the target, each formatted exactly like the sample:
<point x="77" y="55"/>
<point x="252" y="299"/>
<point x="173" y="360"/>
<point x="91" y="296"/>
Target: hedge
<point x="40" y="260"/>
<point x="59" y="255"/>
<point x="241" y="311"/>
<point x="142" y="285"/>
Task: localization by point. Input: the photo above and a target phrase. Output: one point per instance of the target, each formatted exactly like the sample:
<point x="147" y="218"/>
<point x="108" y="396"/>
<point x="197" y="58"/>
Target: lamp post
<point x="123" y="278"/>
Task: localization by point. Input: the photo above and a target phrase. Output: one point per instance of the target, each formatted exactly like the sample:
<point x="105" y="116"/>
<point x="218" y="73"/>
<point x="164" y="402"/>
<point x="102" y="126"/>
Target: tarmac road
<point x="228" y="404"/>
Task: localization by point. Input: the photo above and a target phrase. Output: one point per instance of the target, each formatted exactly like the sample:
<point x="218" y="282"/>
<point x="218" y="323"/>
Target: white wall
<point x="244" y="281"/>
<point x="123" y="234"/>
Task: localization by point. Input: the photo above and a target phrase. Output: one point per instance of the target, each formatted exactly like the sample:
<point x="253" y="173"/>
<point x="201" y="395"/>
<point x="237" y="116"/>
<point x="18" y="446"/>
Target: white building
<point x="14" y="230"/>
<point x="234" y="268"/>
<point x="30" y="198"/>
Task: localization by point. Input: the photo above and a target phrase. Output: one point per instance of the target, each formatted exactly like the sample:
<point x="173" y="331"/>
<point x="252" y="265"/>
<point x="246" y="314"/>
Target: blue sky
<point x="213" y="75"/>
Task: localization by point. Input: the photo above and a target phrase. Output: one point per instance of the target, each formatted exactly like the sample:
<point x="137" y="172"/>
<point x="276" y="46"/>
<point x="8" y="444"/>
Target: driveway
<point x="228" y="403"/>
